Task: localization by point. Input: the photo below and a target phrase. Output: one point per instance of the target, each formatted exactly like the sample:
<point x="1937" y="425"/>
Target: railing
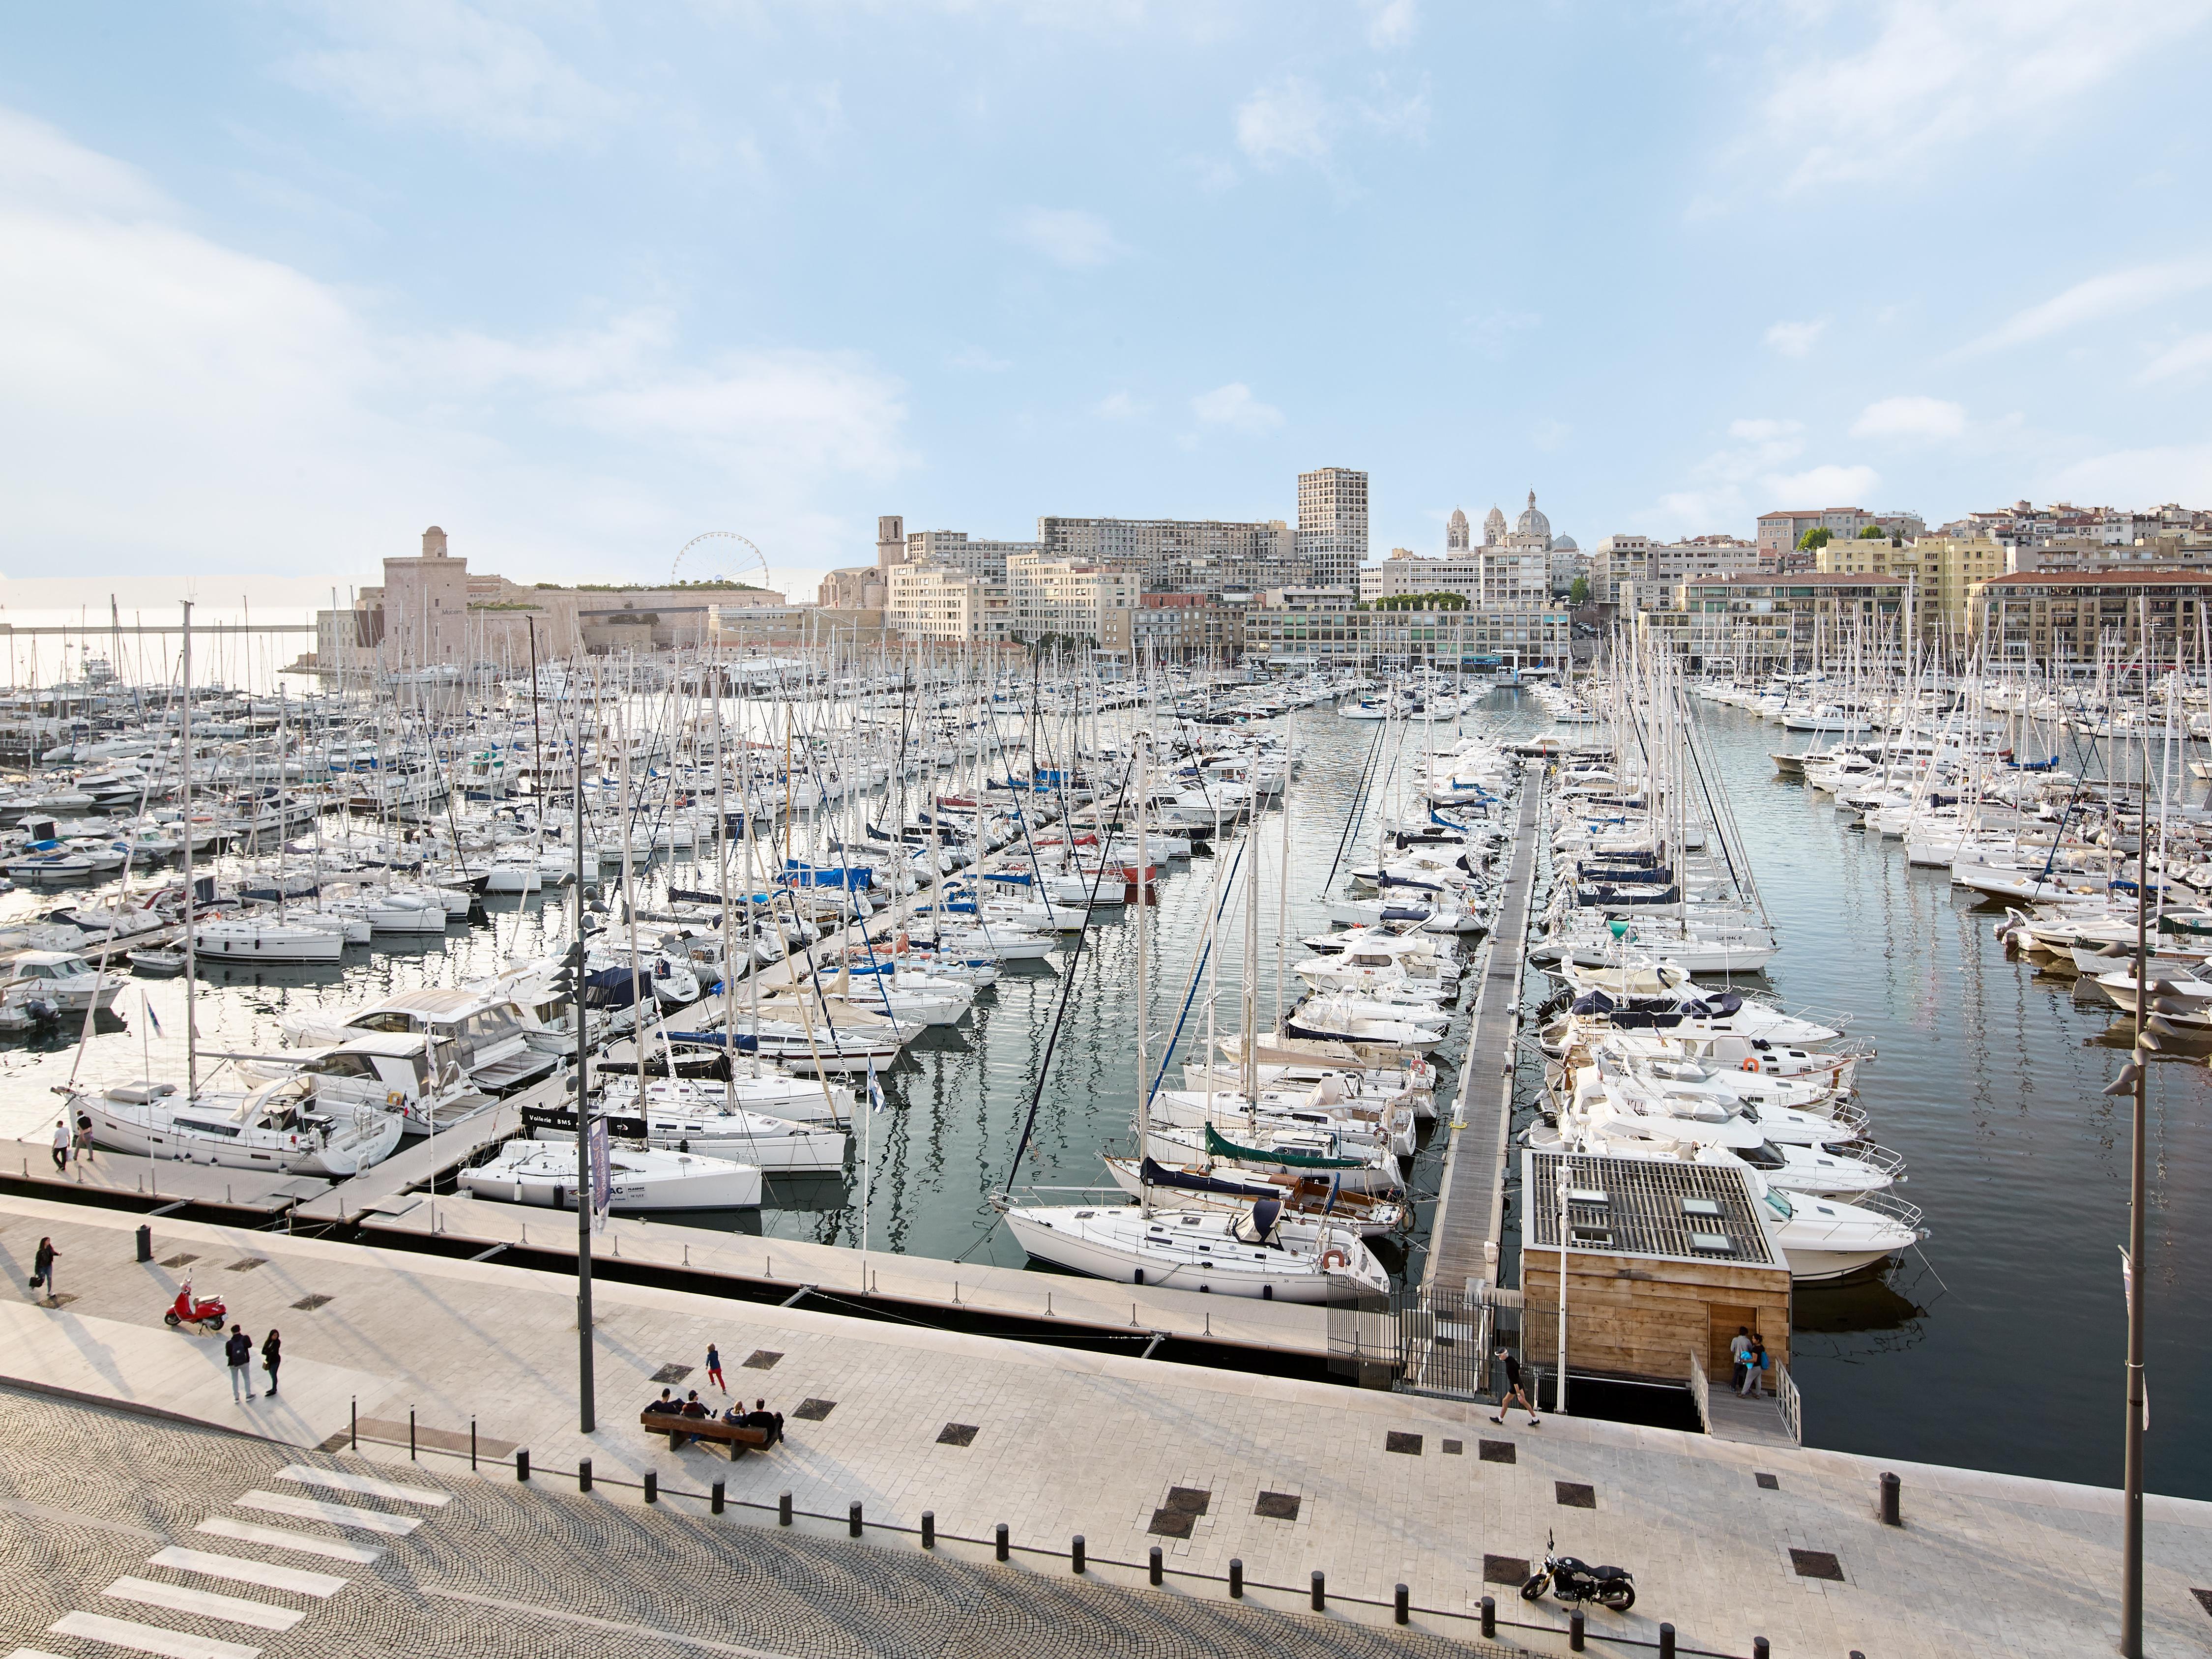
<point x="1698" y="1392"/>
<point x="1792" y="1407"/>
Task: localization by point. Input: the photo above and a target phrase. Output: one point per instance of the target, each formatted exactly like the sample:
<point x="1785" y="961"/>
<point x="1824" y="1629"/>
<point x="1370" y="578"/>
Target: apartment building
<point x="1943" y="570"/>
<point x="940" y="604"/>
<point x="1331" y="535"/>
<point x="977" y="557"/>
<point x="1759" y="622"/>
<point x="1182" y="555"/>
<point x="1071" y="599"/>
<point x="2061" y="619"/>
<point x="1186" y="628"/>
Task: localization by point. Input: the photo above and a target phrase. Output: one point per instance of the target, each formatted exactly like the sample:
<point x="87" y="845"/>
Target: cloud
<point x="1824" y="486"/>
<point x="1070" y="237"/>
<point x="444" y="64"/>
<point x="2165" y="472"/>
<point x="1234" y="406"/>
<point x="2183" y="356"/>
<point x="1119" y="406"/>
<point x="2112" y="295"/>
<point x="1390" y="22"/>
<point x="1293" y="120"/>
<point x="1209" y="172"/>
<point x="1718" y="491"/>
<point x="1910" y="418"/>
<point x="271" y="421"/>
<point x="1493" y="333"/>
<point x="1290" y="121"/>
<point x="1795" y="339"/>
<point x="1937" y="74"/>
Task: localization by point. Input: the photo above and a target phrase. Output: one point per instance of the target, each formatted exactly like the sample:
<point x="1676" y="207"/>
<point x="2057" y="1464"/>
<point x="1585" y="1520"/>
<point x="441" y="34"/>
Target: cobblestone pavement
<point x="503" y="1569"/>
<point x="1287" y="1476"/>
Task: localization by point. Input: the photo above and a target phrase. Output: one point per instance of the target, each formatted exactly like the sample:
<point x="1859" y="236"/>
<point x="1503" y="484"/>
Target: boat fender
<point x="1332" y="1259"/>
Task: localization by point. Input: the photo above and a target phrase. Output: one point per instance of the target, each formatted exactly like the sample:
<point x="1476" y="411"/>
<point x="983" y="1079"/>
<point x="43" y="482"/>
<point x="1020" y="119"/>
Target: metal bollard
<point x="1892" y="1488"/>
<point x="145" y="1243"/>
<point x="354" y="1423"/>
<point x="1490" y="1615"/>
<point x="715" y="1502"/>
<point x="1758" y="1647"/>
<point x="472" y="1442"/>
<point x="1666" y="1641"/>
<point x="411" y="1434"/>
<point x="1575" y="1623"/>
<point x="1075" y="1554"/>
<point x="853" y="1519"/>
<point x="1155" y="1563"/>
<point x="583" y="1474"/>
<point x="652" y="1486"/>
<point x="1401" y="1608"/>
<point x="1001" y="1539"/>
<point x="783" y="1508"/>
<point x="1236" y="1578"/>
<point x="929" y="1529"/>
<point x="1320" y="1591"/>
<point x="522" y="1462"/>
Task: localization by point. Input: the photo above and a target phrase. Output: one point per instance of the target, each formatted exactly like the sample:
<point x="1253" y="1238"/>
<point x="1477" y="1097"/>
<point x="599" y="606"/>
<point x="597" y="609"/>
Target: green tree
<point x="1872" y="533"/>
<point x="1814" y="540"/>
<point x="1578" y="595"/>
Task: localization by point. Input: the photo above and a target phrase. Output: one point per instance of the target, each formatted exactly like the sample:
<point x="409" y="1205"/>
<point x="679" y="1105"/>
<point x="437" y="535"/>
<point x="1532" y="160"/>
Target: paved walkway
<point x="1290" y="1477"/>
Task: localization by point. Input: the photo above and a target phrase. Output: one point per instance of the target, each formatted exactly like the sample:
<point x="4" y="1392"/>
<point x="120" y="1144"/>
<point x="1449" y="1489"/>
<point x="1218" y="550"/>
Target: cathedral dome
<point x="1534" y="525"/>
<point x="1565" y="544"/>
<point x="1455" y="531"/>
<point x="1493" y="528"/>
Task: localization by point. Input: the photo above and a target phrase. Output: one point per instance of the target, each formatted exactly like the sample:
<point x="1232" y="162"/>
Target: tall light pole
<point x="2131" y="1569"/>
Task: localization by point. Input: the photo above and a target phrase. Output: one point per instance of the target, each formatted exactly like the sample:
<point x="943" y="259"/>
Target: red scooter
<point x="187" y="1310"/>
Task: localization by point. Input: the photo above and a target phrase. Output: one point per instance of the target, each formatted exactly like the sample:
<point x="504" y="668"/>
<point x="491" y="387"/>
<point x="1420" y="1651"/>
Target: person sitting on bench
<point x="692" y="1407"/>
<point x="667" y="1402"/>
<point x="760" y="1417"/>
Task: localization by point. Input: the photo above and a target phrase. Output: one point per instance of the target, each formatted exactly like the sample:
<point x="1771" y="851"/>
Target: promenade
<point x="1727" y="1542"/>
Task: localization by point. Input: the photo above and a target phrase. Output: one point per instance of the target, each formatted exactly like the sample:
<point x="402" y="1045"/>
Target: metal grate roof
<point x="1644" y="1206"/>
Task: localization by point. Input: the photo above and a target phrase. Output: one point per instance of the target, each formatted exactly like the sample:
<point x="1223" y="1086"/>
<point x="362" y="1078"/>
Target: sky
<point x="281" y="283"/>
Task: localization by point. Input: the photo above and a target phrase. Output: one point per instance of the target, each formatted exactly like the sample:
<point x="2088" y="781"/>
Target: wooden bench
<point x="738" y="1437"/>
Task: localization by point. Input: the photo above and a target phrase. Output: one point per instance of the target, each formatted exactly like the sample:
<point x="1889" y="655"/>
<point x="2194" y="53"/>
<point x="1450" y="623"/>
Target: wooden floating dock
<point x="157" y="1182"/>
<point x="1464" y="1238"/>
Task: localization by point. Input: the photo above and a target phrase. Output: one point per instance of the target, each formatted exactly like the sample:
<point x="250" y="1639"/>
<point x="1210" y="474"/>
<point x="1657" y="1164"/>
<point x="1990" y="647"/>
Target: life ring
<point x="1749" y="1064"/>
<point x="395" y="1100"/>
<point x="1334" y="1258"/>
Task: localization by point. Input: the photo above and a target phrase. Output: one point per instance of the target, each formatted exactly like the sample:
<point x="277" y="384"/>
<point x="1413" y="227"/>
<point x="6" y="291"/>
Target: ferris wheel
<point x="757" y="559"/>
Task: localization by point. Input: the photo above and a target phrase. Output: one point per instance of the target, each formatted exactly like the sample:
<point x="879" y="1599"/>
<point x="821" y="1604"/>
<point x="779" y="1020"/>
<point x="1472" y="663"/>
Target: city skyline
<point x="288" y="285"/>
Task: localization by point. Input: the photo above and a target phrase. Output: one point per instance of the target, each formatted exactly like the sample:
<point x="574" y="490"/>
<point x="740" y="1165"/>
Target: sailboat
<point x="1267" y="1252"/>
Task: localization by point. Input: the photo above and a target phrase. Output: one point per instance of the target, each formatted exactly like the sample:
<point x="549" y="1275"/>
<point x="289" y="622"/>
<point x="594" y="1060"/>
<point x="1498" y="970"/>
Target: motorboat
<point x="256" y="939"/>
<point x="276" y="1126"/>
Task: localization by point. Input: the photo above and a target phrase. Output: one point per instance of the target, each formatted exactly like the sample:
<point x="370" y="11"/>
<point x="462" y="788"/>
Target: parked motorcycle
<point x="1571" y="1580"/>
<point x="188" y="1309"/>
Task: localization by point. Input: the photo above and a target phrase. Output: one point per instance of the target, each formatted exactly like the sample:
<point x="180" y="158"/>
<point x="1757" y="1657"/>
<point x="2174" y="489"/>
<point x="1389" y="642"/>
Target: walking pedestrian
<point x="42" y="1267"/>
<point x="714" y="1368"/>
<point x="272" y="1356"/>
<point x="1737" y="1350"/>
<point x="61" y="1145"/>
<point x="82" y="1141"/>
<point x="1514" y="1390"/>
<point x="240" y="1352"/>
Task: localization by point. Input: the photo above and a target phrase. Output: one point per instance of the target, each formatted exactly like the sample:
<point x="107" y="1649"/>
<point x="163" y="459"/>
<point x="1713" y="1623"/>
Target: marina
<point x="1028" y="1060"/>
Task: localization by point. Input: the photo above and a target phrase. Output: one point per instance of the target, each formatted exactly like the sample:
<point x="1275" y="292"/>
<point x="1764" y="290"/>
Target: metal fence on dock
<point x="1417" y="1341"/>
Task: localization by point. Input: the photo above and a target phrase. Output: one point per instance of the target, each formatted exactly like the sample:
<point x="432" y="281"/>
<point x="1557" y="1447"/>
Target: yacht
<point x="275" y="1128"/>
<point x="1264" y="1254"/>
<point x="640" y="1179"/>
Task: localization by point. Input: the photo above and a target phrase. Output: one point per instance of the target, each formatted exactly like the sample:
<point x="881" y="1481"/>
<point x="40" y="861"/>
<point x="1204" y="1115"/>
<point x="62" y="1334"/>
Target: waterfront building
<point x="1071" y="600"/>
<point x="941" y="604"/>
<point x="1186" y="628"/>
<point x="2056" y="619"/>
<point x="1757" y="623"/>
<point x="1327" y="628"/>
<point x="1942" y="569"/>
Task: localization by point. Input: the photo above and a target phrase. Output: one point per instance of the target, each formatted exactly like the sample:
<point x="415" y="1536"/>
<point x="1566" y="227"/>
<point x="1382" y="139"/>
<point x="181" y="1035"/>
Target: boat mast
<point x="191" y="977"/>
<point x="1140" y="761"/>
